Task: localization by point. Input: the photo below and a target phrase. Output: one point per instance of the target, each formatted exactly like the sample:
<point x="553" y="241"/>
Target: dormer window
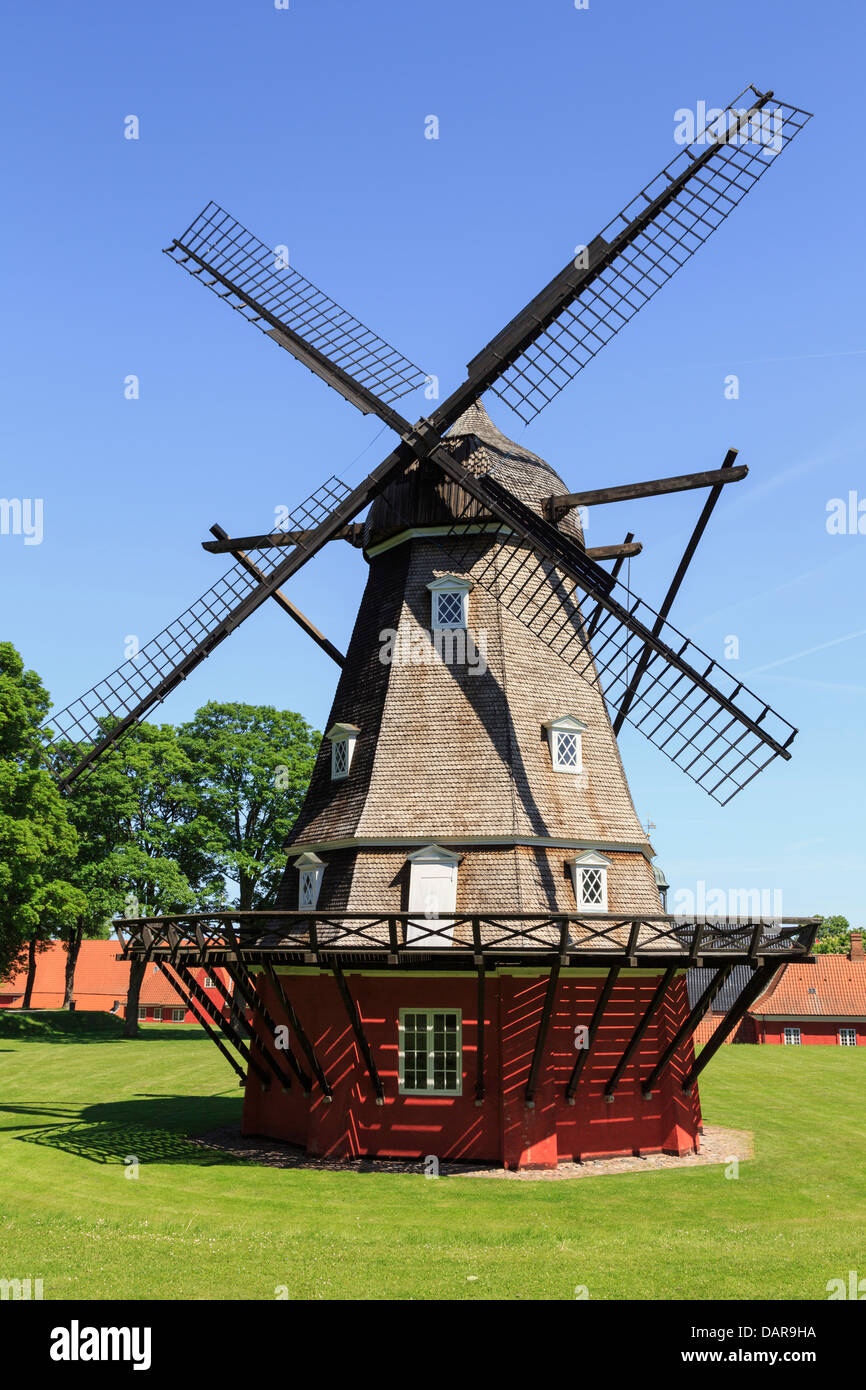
<point x="589" y="871"/>
<point x="310" y="869"/>
<point x="449" y="596"/>
<point x="565" y="736"/>
<point x="343" y="738"/>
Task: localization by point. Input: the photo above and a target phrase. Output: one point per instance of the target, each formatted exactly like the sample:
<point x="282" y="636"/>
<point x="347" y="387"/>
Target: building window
<point x="565" y="736"/>
<point x="589" y="871"/>
<point x="177" y="1015"/>
<point x="847" y="1037"/>
<point x="430" y="1059"/>
<point x="449" y="596"/>
<point x="792" y="1037"/>
<point x="209" y="982"/>
<point x="157" y="1015"/>
<point x="432" y="895"/>
<point x="142" y="1012"/>
<point x="343" y="738"/>
<point x="310" y="869"/>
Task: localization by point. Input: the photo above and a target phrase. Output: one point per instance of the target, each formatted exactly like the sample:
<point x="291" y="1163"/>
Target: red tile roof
<point x="155" y="989"/>
<point x="101" y="980"/>
<point x="834" y="987"/>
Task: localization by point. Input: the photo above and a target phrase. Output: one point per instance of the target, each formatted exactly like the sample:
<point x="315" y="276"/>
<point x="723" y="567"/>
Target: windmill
<point x="503" y="526"/>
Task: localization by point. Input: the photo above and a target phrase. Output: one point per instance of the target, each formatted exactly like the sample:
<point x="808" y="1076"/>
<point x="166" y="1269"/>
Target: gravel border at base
<point x="718" y="1145"/>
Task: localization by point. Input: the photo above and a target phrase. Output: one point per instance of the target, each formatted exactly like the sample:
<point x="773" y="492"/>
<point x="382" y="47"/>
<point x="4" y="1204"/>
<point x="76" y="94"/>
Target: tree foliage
<point x="38" y="845"/>
<point x="833" y="937"/>
<point x="252" y="764"/>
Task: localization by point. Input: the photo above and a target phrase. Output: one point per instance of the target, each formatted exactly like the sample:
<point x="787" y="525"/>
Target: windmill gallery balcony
<point x="612" y="985"/>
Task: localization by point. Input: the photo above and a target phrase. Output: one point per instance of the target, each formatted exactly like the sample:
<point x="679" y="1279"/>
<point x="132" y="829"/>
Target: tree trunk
<point x="73" y="946"/>
<point x="137" y="967"/>
<point x="31" y="972"/>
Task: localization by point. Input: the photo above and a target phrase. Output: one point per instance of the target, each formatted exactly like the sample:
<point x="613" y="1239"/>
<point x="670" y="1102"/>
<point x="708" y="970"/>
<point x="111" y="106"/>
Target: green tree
<point x="132" y="811"/>
<point x="252" y="764"/>
<point x="833" y="936"/>
<point x="38" y="845"/>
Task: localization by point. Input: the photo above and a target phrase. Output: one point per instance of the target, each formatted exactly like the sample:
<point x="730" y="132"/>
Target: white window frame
<point x="208" y="982"/>
<point x="851" y="1040"/>
<point x="791" y="1041"/>
<point x="556" y="728"/>
<point x="590" y="859"/>
<point x="142" y="1012"/>
<point x="343" y="737"/>
<point x="178" y="1015"/>
<point x="430" y="1089"/>
<point x="310" y="870"/>
<point x="157" y="1013"/>
<point x="451" y="586"/>
<point x="438" y="865"/>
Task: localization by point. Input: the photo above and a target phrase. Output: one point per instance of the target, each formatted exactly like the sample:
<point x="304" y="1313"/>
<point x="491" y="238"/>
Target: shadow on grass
<point x="149" y="1129"/>
<point x="60" y="1026"/>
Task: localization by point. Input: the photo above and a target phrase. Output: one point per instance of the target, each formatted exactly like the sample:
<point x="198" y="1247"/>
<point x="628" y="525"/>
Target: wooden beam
<point x="358" y="1030"/>
<point x="673" y="589"/>
<point x="654" y="487"/>
<point x="614" y="552"/>
<point x="601" y="1005"/>
<point x="479" y="1033"/>
<point x="279" y="597"/>
<point x="309" y="1051"/>
<point x="614" y="574"/>
<point x="747" y="997"/>
<point x="270" y="540"/>
<point x="256" y="1005"/>
<point x="686" y="1029"/>
<point x="199" y="1014"/>
<point x="234" y="1005"/>
<point x="541" y="1038"/>
<point x="634" y="1040"/>
<point x="220" y="1019"/>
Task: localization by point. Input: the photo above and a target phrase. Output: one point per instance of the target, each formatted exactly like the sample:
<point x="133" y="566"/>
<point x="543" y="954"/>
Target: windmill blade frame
<point x="567" y="324"/>
<point x="701" y="717"/>
<point x="100" y="717"/>
<point x="537" y="354"/>
<point x="365" y="369"/>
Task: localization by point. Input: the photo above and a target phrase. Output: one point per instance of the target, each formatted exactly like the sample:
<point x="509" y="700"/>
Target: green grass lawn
<point x="76" y="1099"/>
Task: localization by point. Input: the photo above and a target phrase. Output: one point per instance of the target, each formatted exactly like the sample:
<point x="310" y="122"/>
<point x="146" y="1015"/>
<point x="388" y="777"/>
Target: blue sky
<point x="308" y="125"/>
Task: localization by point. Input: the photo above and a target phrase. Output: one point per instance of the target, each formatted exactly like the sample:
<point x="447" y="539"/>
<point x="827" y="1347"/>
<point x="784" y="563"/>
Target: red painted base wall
<point x="501" y="1128"/>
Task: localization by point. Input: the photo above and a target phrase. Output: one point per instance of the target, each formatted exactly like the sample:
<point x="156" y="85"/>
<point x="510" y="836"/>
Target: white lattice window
<point x="177" y="1015"/>
<point x="208" y="982"/>
<point x="592" y="887"/>
<point x="343" y="738"/>
<point x="142" y="1012"/>
<point x="847" y="1037"/>
<point x="310" y="870"/>
<point x="157" y="1015"/>
<point x="565" y="736"/>
<point x="430" y="1052"/>
<point x="449" y="596"/>
<point x="792" y="1037"/>
<point x="589" y="871"/>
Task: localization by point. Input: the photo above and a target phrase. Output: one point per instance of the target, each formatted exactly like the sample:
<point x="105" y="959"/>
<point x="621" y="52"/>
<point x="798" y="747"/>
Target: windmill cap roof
<point x="425" y="497"/>
<point x="475" y="422"/>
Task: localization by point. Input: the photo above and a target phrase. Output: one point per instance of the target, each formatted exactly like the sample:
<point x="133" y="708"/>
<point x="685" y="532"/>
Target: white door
<point x="432" y="892"/>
